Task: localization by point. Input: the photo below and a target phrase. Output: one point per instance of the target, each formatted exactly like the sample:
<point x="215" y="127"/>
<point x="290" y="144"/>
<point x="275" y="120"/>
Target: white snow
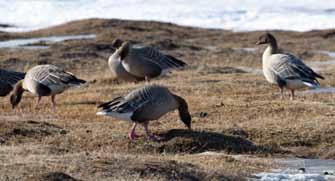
<point x="238" y="15"/>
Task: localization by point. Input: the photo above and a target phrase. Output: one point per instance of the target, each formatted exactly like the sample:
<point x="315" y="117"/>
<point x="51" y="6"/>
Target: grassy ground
<point x="234" y="110"/>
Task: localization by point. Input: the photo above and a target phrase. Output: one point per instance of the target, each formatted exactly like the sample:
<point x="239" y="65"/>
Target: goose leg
<point x="292" y="94"/>
<point x="132" y="134"/>
<point x="38" y="102"/>
<point x="147" y="79"/>
<point x="281" y="89"/>
<point x="151" y="136"/>
<point x="53" y="101"/>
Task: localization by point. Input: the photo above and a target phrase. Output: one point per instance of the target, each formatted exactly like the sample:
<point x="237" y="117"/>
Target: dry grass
<point x="233" y="108"/>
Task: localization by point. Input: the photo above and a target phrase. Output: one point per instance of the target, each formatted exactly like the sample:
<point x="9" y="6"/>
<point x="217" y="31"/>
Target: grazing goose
<point x="44" y="80"/>
<point x="285" y="70"/>
<point x="143" y="62"/>
<point x="145" y="104"/>
<point x="8" y="79"/>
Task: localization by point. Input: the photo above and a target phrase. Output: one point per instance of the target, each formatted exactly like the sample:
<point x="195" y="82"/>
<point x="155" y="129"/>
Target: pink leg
<point x="132" y="134"/>
<point x="151" y="136"/>
<point x="38" y="102"/>
<point x="281" y="93"/>
<point x="147" y="79"/>
<point x="53" y="101"/>
<point x="292" y="94"/>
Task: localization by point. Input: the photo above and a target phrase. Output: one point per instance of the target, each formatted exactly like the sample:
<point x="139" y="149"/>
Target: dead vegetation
<point x="233" y="108"/>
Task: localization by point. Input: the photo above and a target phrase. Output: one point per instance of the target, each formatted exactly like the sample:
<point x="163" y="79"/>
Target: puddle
<point x="319" y="90"/>
<point x="315" y="170"/>
<point x="29" y="43"/>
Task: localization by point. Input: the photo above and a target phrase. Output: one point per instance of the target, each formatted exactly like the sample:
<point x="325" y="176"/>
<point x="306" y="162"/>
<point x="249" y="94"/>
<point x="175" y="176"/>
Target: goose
<point x="145" y="104"/>
<point x="8" y="79"/>
<point x="284" y="69"/>
<point x="44" y="80"/>
<point x="142" y="62"/>
<point x="114" y="63"/>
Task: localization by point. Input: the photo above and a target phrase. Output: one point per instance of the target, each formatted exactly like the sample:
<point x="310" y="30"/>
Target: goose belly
<point x="58" y="88"/>
<point x="294" y="84"/>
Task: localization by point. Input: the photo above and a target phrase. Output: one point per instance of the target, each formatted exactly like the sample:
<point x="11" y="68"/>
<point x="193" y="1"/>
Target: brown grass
<point x="234" y="110"/>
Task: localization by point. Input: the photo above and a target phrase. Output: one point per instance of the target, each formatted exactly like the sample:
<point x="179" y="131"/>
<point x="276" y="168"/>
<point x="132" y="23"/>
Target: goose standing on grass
<point x="146" y="104"/>
<point x="141" y="62"/>
<point x="285" y="70"/>
<point x="44" y="80"/>
<point x="8" y="79"/>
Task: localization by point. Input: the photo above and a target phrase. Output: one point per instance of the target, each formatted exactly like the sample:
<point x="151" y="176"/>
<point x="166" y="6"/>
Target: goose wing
<point x="50" y="75"/>
<point x="290" y="67"/>
<point x="154" y="55"/>
<point x="10" y="77"/>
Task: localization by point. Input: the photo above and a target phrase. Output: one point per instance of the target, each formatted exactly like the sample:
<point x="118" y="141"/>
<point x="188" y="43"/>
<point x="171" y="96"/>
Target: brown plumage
<point x="284" y="69"/>
<point x="146" y="104"/>
<point x="140" y="62"/>
<point x="44" y="80"/>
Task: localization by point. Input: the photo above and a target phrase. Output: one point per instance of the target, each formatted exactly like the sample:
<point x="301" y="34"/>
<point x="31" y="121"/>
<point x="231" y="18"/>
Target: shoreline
<point x="155" y="22"/>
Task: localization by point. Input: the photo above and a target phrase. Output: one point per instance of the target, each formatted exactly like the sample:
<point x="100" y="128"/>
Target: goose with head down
<point x="8" y="79"/>
<point x="284" y="69"/>
<point x="143" y="62"/>
<point x="146" y="104"/>
<point x="44" y="80"/>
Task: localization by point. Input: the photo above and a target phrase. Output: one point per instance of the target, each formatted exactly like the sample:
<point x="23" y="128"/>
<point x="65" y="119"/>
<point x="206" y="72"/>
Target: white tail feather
<point x="122" y="116"/>
<point x="315" y="85"/>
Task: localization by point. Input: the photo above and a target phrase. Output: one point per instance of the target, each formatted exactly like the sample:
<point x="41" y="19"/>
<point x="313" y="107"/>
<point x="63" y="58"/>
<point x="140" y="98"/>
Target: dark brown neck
<point x="18" y="89"/>
<point x="273" y="45"/>
<point x="183" y="111"/>
<point x="124" y="50"/>
<point x="16" y="96"/>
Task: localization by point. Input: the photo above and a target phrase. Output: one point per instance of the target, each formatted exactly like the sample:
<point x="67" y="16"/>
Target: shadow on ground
<point x="52" y="176"/>
<point x="157" y="170"/>
<point x="22" y="131"/>
<point x="186" y="141"/>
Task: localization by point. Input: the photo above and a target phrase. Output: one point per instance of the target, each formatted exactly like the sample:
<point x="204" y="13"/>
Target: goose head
<point x="266" y="38"/>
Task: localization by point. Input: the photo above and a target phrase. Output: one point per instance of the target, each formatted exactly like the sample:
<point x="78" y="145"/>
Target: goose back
<point x="44" y="80"/>
<point x="147" y="103"/>
<point x="145" y="61"/>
